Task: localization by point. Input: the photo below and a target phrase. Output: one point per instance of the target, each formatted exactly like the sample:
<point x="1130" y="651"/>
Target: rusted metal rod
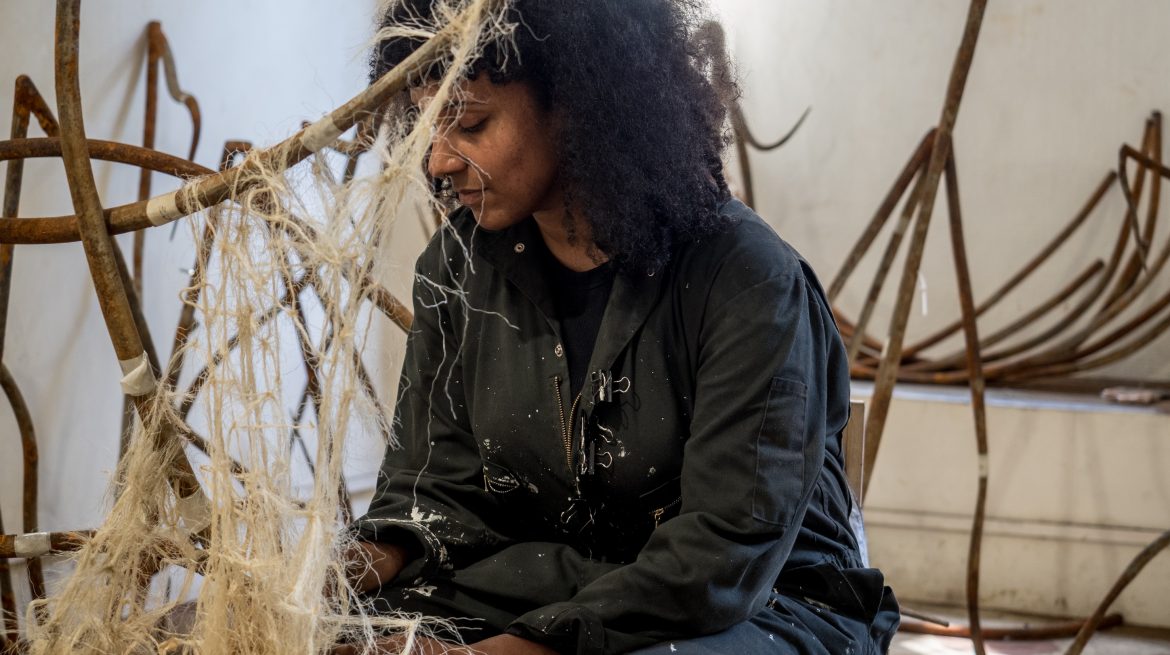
<point x="216" y="188"/>
<point x="188" y="400"/>
<point x="96" y="241"/>
<point x="20" y="546"/>
<point x="1027" y="270"/>
<point x="978" y="391"/>
<point x="889" y="203"/>
<point x="195" y="280"/>
<point x="1152" y="147"/>
<point x="122" y="153"/>
<point x="1135" y="567"/>
<point x="1062" y="630"/>
<point x="1078" y="366"/>
<point x="28" y="443"/>
<point x="27" y="103"/>
<point x="955" y="361"/>
<point x="887" y="262"/>
<point x="888" y="369"/>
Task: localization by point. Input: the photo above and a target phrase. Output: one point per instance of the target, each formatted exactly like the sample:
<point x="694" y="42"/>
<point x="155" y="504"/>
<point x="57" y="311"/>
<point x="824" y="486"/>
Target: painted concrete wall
<point x="1076" y="490"/>
<point x="1057" y="86"/>
<point x="1055" y="89"/>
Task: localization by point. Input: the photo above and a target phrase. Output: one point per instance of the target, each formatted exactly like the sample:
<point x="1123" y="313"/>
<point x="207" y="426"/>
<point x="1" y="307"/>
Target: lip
<point x="470" y="196"/>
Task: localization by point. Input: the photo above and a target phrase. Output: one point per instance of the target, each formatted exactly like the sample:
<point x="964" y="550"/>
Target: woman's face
<point x="497" y="147"/>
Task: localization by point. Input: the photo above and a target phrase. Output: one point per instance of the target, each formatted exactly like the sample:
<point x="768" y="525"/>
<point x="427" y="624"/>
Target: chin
<point x="495" y="220"/>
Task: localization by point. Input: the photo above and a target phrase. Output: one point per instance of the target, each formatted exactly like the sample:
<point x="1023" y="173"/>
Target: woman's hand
<point x="510" y="645"/>
<point x="500" y="645"/>
<point x="371" y="565"/>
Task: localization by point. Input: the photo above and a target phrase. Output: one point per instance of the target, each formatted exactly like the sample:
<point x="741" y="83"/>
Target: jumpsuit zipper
<point x="567" y="427"/>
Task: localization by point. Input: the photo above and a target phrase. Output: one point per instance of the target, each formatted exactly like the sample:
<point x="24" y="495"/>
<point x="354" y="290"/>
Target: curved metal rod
<point x="1135" y="567"/>
<point x="1131" y="217"/>
<point x="194" y="286"/>
<point x="1079" y="355"/>
<point x="96" y="241"/>
<point x="1090" y="298"/>
<point x="119" y="153"/>
<point x="741" y="128"/>
<point x="905" y="177"/>
<point x="978" y="390"/>
<point x="1029" y="268"/>
<point x="159" y="48"/>
<point x="1061" y="630"/>
<point x="59" y="543"/>
<point x="892" y="356"/>
<point x="1151" y="146"/>
<point x="28" y="444"/>
<point x="1078" y="366"/>
<point x="956" y="359"/>
<point x="201" y="378"/>
<point x="886" y="263"/>
<point x="27" y="103"/>
<point x="1066" y="348"/>
<point x="216" y="188"/>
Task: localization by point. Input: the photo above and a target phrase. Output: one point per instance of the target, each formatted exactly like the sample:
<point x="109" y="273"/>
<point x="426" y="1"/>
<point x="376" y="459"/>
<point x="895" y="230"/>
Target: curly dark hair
<point x="642" y="126"/>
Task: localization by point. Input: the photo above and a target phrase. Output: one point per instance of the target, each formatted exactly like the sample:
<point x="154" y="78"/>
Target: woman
<point x="621" y="403"/>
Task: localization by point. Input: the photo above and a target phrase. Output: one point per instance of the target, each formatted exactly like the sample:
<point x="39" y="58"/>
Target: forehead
<point x="467" y="93"/>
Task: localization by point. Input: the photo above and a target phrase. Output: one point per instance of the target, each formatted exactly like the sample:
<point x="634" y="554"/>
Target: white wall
<point x="1056" y="87"/>
<point x="257" y="68"/>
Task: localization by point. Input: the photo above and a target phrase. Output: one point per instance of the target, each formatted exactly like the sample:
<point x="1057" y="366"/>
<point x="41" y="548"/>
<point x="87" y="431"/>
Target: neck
<point x="577" y="255"/>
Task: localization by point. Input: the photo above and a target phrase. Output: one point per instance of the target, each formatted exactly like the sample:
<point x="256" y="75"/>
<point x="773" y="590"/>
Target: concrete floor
<point x="1117" y="641"/>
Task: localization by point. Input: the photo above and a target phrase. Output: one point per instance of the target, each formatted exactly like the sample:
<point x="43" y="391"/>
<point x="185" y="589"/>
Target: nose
<point x="445" y="160"/>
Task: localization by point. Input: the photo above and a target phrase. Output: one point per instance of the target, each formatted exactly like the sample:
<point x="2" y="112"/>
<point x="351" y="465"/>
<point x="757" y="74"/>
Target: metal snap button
<point x="559" y="350"/>
<point x="519" y="248"/>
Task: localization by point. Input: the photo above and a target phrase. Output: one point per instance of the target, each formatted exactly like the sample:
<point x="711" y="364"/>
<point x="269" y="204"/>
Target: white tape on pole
<point x="33" y="545"/>
<point x="163" y="209"/>
<point x="137" y="376"/>
<point x="320" y="134"/>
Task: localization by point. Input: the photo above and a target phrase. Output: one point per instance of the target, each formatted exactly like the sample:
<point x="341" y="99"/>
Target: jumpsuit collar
<point x="514" y="252"/>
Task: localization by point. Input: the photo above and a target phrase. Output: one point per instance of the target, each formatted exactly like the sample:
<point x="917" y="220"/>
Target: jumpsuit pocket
<point x="499" y="480"/>
<point x="663" y="502"/>
<point x="781" y="466"/>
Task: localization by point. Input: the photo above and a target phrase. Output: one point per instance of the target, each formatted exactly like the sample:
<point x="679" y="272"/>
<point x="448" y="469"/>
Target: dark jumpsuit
<point x="691" y="495"/>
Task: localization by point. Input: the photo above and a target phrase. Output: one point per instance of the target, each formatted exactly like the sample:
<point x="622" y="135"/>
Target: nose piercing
<point x="446" y="187"/>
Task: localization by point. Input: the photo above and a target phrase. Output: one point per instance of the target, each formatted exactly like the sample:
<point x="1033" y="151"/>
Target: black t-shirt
<point x="580" y="300"/>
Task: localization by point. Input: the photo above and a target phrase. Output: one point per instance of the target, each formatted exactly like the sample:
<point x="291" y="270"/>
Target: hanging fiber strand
<point x="256" y="559"/>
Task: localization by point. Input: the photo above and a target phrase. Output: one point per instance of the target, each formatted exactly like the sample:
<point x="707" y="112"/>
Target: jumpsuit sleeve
<point x="430" y="487"/>
<point x="750" y="464"/>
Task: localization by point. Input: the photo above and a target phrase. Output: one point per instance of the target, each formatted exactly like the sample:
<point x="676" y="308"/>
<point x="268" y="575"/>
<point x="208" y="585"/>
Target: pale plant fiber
<point x="270" y="572"/>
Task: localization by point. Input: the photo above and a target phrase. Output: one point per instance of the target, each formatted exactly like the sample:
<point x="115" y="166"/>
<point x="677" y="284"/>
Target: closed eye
<point x="473" y="127"/>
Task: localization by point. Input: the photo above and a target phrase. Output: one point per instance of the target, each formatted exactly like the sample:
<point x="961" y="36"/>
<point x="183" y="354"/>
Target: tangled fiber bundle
<point x="255" y="561"/>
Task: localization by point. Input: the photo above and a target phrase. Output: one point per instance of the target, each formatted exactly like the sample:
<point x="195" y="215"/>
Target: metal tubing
<point x="888" y="369"/>
<point x="1135" y="567"/>
<point x="121" y="153"/>
<point x="96" y="241"/>
<point x="1151" y="146"/>
<point x="978" y="406"/>
<point x="28" y="443"/>
<point x="201" y="378"/>
<point x="905" y="177"/>
<point x="887" y="262"/>
<point x="955" y="360"/>
<point x="216" y="188"/>
<point x="1029" y="268"/>
<point x="59" y="542"/>
<point x="1062" y="630"/>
